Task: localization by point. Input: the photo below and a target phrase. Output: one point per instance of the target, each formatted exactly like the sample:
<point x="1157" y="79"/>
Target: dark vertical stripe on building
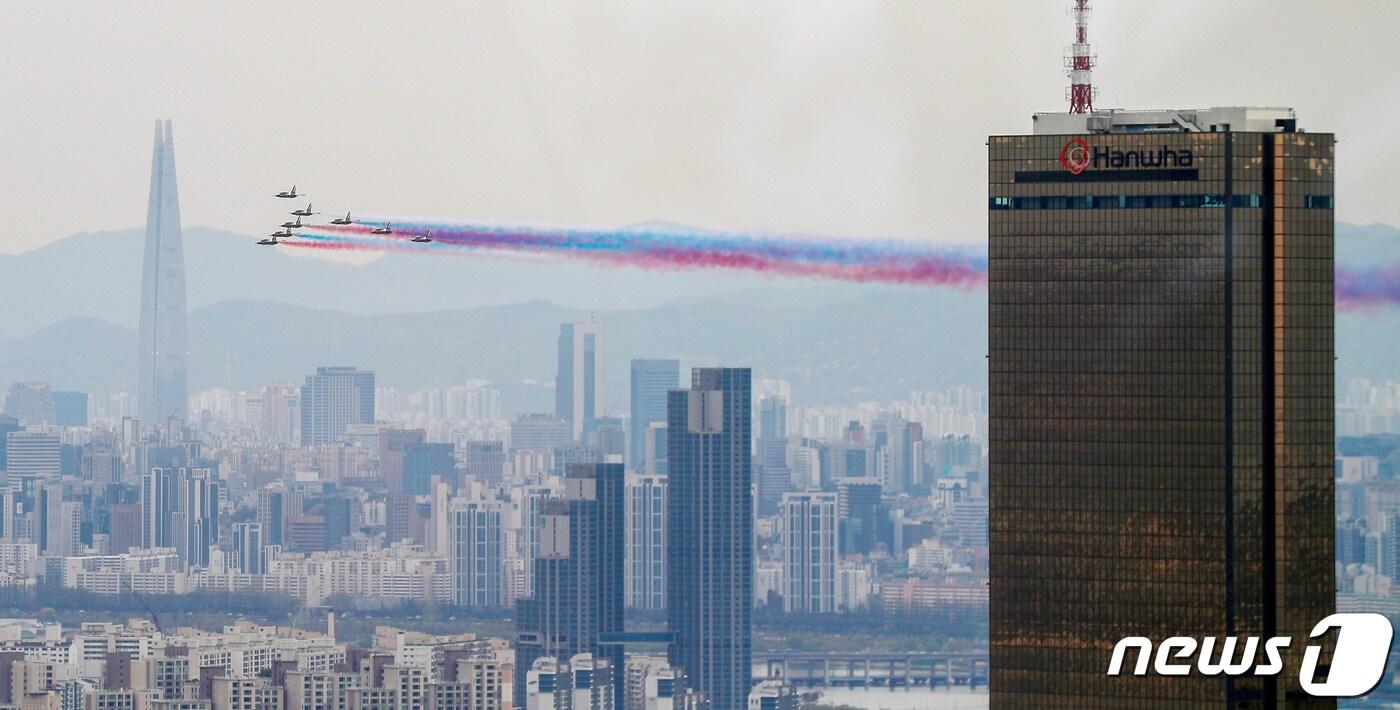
<point x="1229" y="397"/>
<point x="1268" y="328"/>
<point x="1229" y="384"/>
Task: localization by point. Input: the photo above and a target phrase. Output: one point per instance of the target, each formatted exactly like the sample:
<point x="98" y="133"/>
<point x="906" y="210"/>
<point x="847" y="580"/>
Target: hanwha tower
<point x="163" y="354"/>
<point x="1161" y="374"/>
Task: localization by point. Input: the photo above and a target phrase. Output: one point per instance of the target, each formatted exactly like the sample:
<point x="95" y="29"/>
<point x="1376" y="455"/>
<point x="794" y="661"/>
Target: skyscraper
<point x="899" y="452"/>
<point x="180" y="509"/>
<point x="646" y="542"/>
<point x="332" y="399"/>
<point x="651" y="380"/>
<point x="162" y="378"/>
<point x="1161" y="425"/>
<point x="248" y="541"/>
<point x="578" y="573"/>
<point x="809" y="552"/>
<point x="709" y="591"/>
<point x="50" y="526"/>
<point x="478" y="550"/>
<point x="422" y="461"/>
<point x="774" y="474"/>
<point x="159" y="493"/>
<point x="272" y="514"/>
<point x="578" y="383"/>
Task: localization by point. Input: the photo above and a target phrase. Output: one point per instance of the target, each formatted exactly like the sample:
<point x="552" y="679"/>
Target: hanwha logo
<point x="1075" y="155"/>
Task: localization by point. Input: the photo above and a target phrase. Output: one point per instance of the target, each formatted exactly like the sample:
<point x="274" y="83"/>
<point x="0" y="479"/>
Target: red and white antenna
<point x="1080" y="61"/>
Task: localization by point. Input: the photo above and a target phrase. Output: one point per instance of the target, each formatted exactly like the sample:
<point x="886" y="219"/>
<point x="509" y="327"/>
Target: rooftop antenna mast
<point x="1080" y="61"/>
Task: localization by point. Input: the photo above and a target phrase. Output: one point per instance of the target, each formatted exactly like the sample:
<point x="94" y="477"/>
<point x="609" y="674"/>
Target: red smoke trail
<point x="1359" y="289"/>
<point x="1356" y="289"/>
<point x="849" y="261"/>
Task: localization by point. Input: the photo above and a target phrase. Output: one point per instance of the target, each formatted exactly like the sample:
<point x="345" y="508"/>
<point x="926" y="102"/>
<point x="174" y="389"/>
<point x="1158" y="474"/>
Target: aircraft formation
<point x="293" y="228"/>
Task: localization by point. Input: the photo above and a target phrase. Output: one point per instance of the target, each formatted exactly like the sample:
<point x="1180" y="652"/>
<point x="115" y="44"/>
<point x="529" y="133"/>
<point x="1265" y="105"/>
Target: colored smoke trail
<point x="1359" y="289"/>
<point x="676" y="247"/>
<point x="671" y="247"/>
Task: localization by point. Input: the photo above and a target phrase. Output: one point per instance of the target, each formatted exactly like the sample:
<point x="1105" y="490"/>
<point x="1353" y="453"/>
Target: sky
<point x="842" y="118"/>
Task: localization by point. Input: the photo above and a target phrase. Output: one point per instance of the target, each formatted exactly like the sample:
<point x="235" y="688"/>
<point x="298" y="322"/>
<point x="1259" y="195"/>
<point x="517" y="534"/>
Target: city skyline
<point x="819" y="451"/>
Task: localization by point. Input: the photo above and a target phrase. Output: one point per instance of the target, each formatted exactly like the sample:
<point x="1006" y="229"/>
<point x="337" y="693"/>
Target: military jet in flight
<point x="293" y="225"/>
<point x="284" y="234"/>
<point x="270" y="242"/>
<point x="386" y="229"/>
<point x="343" y="220"/>
<point x="423" y="238"/>
<point x="289" y="194"/>
<point x="303" y="213"/>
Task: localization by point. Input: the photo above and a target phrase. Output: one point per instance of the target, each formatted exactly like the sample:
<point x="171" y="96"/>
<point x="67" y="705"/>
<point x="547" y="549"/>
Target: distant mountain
<point x="841" y="345"/>
<point x="422" y="321"/>
<point x="98" y="275"/>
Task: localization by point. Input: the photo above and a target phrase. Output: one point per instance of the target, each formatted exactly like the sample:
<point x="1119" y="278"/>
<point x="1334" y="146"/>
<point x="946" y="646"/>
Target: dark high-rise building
<point x="70" y="408"/>
<point x="651" y="380"/>
<point x="578" y="383"/>
<point x="484" y="460"/>
<point x="859" y="513"/>
<point x="124" y="527"/>
<point x="899" y="453"/>
<point x="392" y="443"/>
<point x="248" y="541"/>
<point x="578" y="573"/>
<point x="774" y="474"/>
<point x="180" y="509"/>
<point x="1161" y="366"/>
<point x="709" y="586"/>
<point x="400" y="512"/>
<point x="272" y="514"/>
<point x="162" y="379"/>
<point x="422" y="461"/>
<point x="332" y="399"/>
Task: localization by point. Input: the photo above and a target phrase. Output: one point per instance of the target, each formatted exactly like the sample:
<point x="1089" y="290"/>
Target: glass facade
<point x="709" y="592"/>
<point x="577" y="576"/>
<point x="1161" y="427"/>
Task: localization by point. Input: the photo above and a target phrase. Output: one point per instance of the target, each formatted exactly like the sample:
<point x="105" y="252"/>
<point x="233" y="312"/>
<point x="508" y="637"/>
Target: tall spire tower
<point x="1080" y="61"/>
<point x="163" y="352"/>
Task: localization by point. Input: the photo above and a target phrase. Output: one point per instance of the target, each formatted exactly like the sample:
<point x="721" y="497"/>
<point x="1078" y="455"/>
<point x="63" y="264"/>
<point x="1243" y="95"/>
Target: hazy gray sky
<point x="846" y="118"/>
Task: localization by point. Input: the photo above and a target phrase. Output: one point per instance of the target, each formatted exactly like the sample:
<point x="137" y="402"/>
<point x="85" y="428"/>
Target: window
<point x="1319" y="202"/>
<point x="1192" y="201"/>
